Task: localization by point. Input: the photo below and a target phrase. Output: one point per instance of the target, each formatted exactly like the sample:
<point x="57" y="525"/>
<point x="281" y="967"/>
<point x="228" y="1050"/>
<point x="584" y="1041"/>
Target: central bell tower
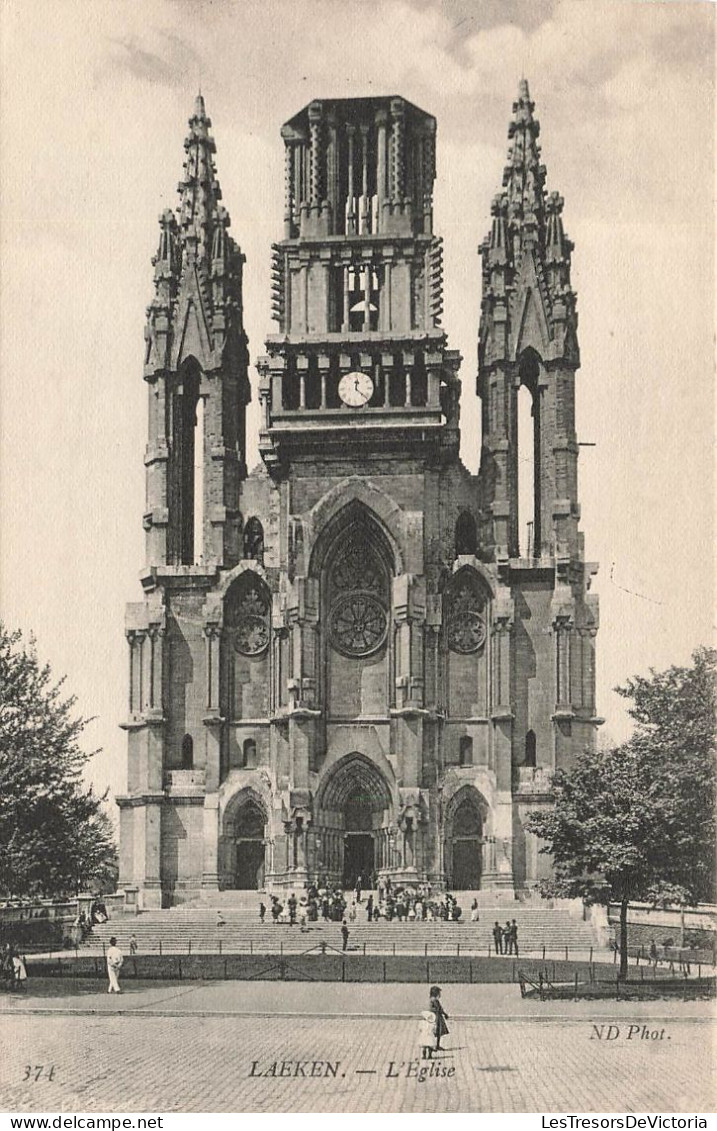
<point x="357" y="288"/>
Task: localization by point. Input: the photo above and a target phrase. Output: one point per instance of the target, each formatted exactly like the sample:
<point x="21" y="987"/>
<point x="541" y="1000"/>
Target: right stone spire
<point x="528" y="337"/>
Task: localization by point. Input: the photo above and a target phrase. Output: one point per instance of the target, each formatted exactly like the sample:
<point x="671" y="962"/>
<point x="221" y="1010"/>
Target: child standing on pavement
<point x="427" y="1034"/>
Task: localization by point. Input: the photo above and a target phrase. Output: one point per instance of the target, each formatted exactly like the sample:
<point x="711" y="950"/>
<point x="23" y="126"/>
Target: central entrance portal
<point x="353" y="816"/>
<point x="359" y="859"/>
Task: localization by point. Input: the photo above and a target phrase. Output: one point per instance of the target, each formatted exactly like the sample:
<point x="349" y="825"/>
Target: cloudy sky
<point x="95" y="99"/>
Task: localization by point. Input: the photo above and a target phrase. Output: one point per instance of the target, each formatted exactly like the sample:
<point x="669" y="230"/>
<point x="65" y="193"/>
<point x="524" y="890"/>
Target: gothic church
<point x="348" y="660"/>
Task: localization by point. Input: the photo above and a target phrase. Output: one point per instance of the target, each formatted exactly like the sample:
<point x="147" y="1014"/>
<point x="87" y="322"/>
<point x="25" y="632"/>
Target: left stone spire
<point x="196" y="365"/>
<point x="199" y="190"/>
<point x="196" y="260"/>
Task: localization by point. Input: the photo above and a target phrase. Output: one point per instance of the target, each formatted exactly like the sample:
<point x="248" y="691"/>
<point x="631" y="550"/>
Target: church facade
<point x="348" y="662"/>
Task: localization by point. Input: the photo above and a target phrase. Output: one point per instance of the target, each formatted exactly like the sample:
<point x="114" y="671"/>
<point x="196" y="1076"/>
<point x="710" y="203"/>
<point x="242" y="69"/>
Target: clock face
<point x="356" y="389"/>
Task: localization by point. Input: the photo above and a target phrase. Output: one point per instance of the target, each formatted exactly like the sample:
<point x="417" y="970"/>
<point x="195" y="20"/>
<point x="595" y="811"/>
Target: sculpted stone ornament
<point x="466" y="627"/>
<point x="358" y="624"/>
<point x="252" y="626"/>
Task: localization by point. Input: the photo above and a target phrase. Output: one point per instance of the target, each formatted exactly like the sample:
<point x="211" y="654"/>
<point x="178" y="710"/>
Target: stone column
<point x="315" y="159"/>
<point x="381" y="164"/>
<point x="212" y="633"/>
<point x="365" y="205"/>
<point x="398" y="156"/>
<point x="351" y="190"/>
<point x="210" y="862"/>
<point x="149" y="818"/>
<point x="155" y="636"/>
<point x="288" y="188"/>
<point x="563" y="632"/>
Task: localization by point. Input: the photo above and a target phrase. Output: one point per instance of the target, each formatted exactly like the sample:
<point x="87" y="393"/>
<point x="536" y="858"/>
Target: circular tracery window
<point x="358" y="624"/>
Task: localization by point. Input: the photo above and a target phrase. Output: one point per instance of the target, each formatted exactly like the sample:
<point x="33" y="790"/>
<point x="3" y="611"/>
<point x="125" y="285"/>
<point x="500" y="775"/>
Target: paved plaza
<point x="253" y="1047"/>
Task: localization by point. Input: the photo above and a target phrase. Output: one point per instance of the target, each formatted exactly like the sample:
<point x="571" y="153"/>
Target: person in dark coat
<point x="369" y="908"/>
<point x="262" y="912"/>
<point x="514" y="938"/>
<point x="292" y="909"/>
<point x="359" y="888"/>
<point x="440" y="1013"/>
<point x="507" y="941"/>
<point x="498" y="937"/>
<point x="345" y="934"/>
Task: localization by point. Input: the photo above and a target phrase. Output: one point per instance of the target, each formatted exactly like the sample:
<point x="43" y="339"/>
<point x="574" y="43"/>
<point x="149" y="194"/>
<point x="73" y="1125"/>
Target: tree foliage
<point x="637" y="822"/>
<point x="55" y="837"/>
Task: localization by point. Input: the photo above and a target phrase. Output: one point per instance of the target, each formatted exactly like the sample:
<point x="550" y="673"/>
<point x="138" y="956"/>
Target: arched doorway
<point x="464" y="840"/>
<point x="353" y="817"/>
<point x="245" y="832"/>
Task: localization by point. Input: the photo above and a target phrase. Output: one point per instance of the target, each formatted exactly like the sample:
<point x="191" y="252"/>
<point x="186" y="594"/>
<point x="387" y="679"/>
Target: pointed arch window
<point x="185" y="479"/>
<point x="187" y="752"/>
<point x="465" y="613"/>
<point x="529" y="455"/>
<point x="254" y="541"/>
<point x="530" y="749"/>
<point x="466" y="534"/>
<point x="246" y="615"/>
<point x="465" y="751"/>
<point x="249" y="754"/>
<point x="358" y="617"/>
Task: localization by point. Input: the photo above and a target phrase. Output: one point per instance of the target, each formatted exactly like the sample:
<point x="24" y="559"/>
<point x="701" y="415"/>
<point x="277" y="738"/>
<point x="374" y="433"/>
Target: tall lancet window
<point x="528" y="411"/>
<point x="184" y="489"/>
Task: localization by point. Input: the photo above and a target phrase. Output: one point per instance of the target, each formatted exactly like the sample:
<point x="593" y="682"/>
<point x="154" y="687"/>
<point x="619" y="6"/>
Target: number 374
<point x="37" y="1072"/>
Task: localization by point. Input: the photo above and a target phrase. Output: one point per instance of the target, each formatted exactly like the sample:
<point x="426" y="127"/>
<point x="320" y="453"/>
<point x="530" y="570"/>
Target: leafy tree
<point x="55" y="837"/>
<point x="637" y="822"/>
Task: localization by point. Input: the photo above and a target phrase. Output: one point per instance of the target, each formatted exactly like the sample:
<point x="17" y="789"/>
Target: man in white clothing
<point x="115" y="958"/>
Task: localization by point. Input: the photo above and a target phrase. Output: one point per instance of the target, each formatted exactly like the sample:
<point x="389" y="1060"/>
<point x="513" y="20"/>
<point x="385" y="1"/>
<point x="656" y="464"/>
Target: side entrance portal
<point x="464" y="847"/>
<point x="246" y="832"/>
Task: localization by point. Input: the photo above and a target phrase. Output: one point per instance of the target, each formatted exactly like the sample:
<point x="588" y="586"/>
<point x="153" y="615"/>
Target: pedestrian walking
<point x="441" y="1029"/>
<point x="262" y="912"/>
<point x="369" y="908"/>
<point x="475" y="918"/>
<point x="292" y="909"/>
<point x="359" y="888"/>
<point x="133" y="944"/>
<point x="345" y="934"/>
<point x="115" y="958"/>
<point x="653" y="953"/>
<point x="498" y="937"/>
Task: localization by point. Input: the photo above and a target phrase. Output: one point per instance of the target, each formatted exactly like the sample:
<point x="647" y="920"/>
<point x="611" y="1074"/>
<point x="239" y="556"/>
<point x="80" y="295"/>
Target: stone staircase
<point x="193" y="929"/>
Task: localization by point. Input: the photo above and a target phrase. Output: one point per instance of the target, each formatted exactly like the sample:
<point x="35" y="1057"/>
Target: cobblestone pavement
<point x="171" y="1048"/>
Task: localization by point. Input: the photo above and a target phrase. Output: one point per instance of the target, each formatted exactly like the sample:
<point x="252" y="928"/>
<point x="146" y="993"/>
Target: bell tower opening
<point x="528" y="456"/>
<point x="185" y="488"/>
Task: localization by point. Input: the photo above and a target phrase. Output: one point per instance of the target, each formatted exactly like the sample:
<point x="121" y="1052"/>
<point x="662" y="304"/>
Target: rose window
<point x="358" y="624"/>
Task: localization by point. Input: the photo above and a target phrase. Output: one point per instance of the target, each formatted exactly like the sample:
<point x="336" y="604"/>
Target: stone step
<point x="538" y="926"/>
